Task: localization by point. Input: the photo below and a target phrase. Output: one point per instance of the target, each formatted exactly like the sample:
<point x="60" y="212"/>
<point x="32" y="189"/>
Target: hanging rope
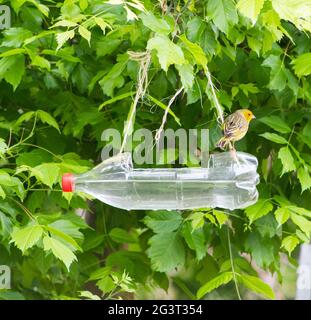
<point x="159" y="131"/>
<point x="144" y="60"/>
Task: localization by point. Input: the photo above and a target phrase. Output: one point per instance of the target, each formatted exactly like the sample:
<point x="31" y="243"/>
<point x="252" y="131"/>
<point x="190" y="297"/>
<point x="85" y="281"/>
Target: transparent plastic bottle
<point x="224" y="183"/>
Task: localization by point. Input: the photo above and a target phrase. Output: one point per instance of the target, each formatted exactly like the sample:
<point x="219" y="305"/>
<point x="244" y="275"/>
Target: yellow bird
<point x="235" y="127"/>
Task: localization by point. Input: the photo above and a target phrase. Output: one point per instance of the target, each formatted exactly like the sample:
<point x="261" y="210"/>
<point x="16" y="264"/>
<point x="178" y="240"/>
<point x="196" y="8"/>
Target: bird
<point x="235" y="128"/>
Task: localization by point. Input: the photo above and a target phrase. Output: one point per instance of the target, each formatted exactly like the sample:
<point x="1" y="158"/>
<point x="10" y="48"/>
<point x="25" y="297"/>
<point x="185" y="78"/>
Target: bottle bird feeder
<point x="225" y="183"/>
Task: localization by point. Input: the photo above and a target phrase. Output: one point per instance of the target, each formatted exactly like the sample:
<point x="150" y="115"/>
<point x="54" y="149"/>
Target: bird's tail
<point x="222" y="143"/>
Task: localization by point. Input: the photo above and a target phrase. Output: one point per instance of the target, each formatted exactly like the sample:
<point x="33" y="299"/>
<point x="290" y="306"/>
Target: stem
<point x="29" y="214"/>
<point x="42" y="148"/>
<point x="232" y="265"/>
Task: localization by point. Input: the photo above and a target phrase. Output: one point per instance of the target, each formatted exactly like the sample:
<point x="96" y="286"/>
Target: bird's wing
<point x="233" y="124"/>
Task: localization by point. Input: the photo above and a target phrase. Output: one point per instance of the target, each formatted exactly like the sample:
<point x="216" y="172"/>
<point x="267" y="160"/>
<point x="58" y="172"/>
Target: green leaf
<point x="302" y="223"/>
<point x="278" y="75"/>
<point x="296" y="11"/>
<point x="117" y="98"/>
<point x="223" y="13"/>
<point x="114" y="79"/>
<point x="14" y="37"/>
<point x="195" y="240"/>
<point x="302" y="65"/>
<point x="100" y="273"/>
<point x="2" y="193"/>
<point x="59" y="250"/>
<point x="105" y="284"/>
<point x="213" y="284"/>
<point x="163" y="221"/>
<point x="261" y="249"/>
<point x="196" y="51"/>
<point x="161" y="280"/>
<point x="274" y="137"/>
<point x="47" y="173"/>
<point x="12" y="52"/>
<point x="25" y="117"/>
<point x="167" y="51"/>
<point x="267" y="226"/>
<point x="186" y="75"/>
<point x="87" y="294"/>
<point x="302" y="236"/>
<point x="300" y="211"/>
<point x="41" y="7"/>
<point x="272" y="22"/>
<point x="11" y="295"/>
<point x="211" y="218"/>
<point x="287" y="160"/>
<point x="166" y="251"/>
<point x="221" y="217"/>
<point x="257" y="285"/>
<point x="258" y="210"/>
<point x="12" y="69"/>
<point x="282" y="214"/>
<point x="33" y="158"/>
<point x="3" y="147"/>
<point x="304" y="178"/>
<point x="27" y="237"/>
<point x="197" y="219"/>
<point x="276" y="123"/>
<point x="47" y="118"/>
<point x="5" y="224"/>
<point x="42" y="34"/>
<point x="84" y="33"/>
<point x="250" y="8"/>
<point x="63" y="237"/>
<point x="5" y="179"/>
<point x="64" y="23"/>
<point x="102" y="24"/>
<point x="121" y="236"/>
<point x="248" y="88"/>
<point x="164" y="107"/>
<point x="289" y="243"/>
<point x="307" y="130"/>
<point x="67" y="231"/>
<point x="255" y="44"/>
<point x="158" y="25"/>
<point x="62" y="37"/>
<point x="40" y="62"/>
<point x="135" y="264"/>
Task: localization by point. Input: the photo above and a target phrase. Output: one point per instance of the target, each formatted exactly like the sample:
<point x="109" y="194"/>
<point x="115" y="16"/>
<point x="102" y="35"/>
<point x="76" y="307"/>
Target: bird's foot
<point x="234" y="155"/>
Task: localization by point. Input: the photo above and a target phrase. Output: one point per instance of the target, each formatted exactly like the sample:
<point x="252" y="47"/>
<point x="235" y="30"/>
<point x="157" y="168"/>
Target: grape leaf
<point x="163" y="221"/>
<point x="166" y="251"/>
<point x="59" y="250"/>
<point x="250" y="8"/>
<point x="213" y="284"/>
<point x="27" y="237"/>
<point x="167" y="51"/>
<point x="223" y="13"/>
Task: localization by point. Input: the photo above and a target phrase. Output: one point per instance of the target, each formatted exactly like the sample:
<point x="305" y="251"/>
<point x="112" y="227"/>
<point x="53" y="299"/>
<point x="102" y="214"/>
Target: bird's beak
<point x="253" y="117"/>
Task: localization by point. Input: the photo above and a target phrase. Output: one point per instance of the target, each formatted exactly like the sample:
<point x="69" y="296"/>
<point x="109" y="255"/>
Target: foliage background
<point x="69" y="70"/>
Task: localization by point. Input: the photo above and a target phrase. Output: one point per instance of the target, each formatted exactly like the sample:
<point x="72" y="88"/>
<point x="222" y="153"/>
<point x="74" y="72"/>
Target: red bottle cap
<point x="67" y="182"/>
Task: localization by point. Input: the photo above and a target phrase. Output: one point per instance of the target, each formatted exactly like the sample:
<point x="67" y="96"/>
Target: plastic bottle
<point x="224" y="183"/>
